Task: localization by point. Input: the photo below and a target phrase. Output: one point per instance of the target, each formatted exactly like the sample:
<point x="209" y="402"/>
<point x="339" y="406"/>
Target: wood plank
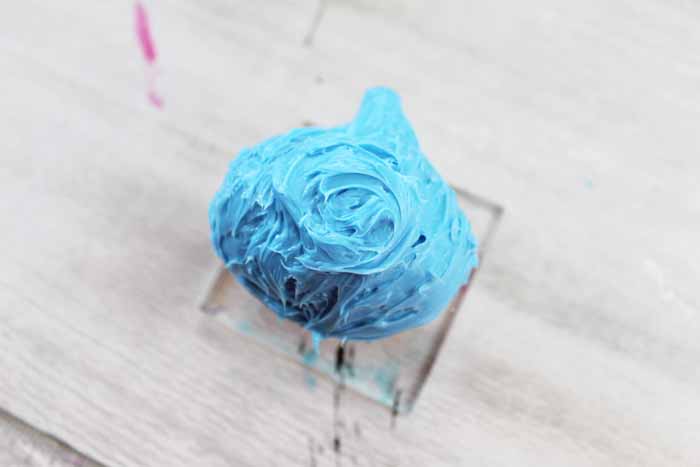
<point x="23" y="446"/>
<point x="578" y="344"/>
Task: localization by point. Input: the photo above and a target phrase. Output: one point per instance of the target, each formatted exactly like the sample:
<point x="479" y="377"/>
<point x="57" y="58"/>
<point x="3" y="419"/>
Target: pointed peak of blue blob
<point x="381" y="122"/>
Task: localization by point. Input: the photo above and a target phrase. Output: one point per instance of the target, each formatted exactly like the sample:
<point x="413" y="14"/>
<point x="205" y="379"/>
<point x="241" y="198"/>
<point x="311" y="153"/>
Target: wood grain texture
<point x="579" y="344"/>
<point x="23" y="446"/>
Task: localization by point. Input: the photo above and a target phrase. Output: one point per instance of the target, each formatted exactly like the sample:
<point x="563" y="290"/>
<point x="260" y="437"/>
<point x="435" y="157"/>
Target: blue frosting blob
<point x="348" y="231"/>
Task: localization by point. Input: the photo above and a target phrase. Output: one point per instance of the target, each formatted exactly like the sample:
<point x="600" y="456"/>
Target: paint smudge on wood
<point x="148" y="48"/>
<point x="143" y="32"/>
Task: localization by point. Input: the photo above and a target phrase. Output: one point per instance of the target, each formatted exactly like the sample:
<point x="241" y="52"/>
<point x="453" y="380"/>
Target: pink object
<point x="143" y="32"/>
<point x="155" y="99"/>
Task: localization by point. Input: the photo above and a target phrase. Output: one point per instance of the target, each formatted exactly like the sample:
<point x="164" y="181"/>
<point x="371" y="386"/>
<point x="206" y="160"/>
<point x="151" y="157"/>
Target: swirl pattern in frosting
<point x="348" y="231"/>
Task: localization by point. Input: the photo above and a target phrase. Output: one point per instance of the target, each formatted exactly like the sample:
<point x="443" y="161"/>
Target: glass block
<point x="390" y="371"/>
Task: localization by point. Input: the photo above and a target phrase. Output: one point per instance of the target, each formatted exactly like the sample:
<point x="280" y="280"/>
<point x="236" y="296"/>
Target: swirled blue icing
<point x="348" y="231"/>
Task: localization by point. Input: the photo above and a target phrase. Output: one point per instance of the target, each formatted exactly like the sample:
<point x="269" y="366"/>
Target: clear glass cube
<point x="391" y="371"/>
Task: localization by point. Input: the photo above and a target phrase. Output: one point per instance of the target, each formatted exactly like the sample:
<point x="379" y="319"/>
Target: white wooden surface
<point x="24" y="446"/>
<point x="580" y="343"/>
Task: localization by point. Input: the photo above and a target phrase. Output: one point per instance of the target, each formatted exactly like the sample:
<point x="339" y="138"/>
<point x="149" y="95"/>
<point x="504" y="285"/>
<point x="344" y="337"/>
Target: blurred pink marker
<point x="143" y="33"/>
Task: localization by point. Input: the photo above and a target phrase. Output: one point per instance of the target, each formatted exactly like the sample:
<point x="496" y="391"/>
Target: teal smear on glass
<point x="385" y="378"/>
